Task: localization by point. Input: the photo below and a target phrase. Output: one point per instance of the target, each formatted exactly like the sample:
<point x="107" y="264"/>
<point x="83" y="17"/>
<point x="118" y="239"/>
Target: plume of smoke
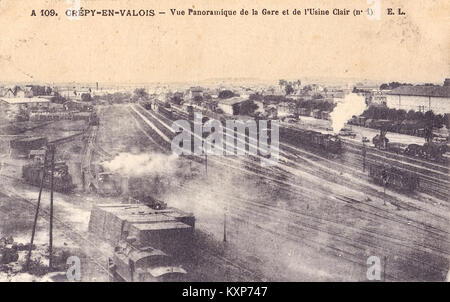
<point x="137" y="165"/>
<point x="352" y="104"/>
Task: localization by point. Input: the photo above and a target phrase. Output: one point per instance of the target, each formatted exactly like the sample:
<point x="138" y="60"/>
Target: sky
<point x="410" y="48"/>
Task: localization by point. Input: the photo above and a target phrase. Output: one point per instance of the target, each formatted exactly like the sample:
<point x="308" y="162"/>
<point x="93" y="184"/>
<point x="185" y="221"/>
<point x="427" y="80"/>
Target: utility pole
<point x="385" y="177"/>
<point x="384" y="268"/>
<point x="364" y="155"/>
<point x="50" y="247"/>
<point x="206" y="163"/>
<point x="225" y="225"/>
<point x="36" y="214"/>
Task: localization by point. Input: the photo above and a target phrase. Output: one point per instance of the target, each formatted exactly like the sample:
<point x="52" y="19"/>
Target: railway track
<point x="398" y="199"/>
<point x="330" y="164"/>
<point x="370" y="212"/>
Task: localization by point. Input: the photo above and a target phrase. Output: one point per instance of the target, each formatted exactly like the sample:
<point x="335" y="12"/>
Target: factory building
<point x="420" y="98"/>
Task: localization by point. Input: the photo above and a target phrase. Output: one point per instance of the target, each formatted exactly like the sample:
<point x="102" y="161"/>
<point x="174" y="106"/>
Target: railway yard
<point x="316" y="215"/>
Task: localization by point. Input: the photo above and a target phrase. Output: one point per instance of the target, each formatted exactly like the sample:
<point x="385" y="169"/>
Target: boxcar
<point x="393" y="177"/>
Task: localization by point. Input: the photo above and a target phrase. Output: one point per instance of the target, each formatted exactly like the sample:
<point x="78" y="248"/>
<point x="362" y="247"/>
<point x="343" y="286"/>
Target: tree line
<point x="428" y="118"/>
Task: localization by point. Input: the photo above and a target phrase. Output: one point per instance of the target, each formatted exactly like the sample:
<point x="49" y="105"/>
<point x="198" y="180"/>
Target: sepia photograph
<point x="224" y="141"/>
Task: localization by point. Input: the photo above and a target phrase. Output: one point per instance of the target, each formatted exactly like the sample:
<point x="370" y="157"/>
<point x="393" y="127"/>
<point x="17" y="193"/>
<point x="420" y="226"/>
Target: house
<point x="376" y="98"/>
<point x="194" y="92"/>
<point x="420" y="98"/>
<point x="7" y="93"/>
<point x="17" y="92"/>
<point x="24" y="103"/>
<point x="77" y="94"/>
<point x="230" y="106"/>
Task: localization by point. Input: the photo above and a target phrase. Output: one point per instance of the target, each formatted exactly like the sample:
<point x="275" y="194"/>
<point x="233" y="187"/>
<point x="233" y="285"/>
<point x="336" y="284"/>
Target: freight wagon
<point x="22" y="147"/>
<point x="307" y="138"/>
<point x="62" y="180"/>
<point x="166" y="111"/>
<point x="169" y="229"/>
<point x="393" y="177"/>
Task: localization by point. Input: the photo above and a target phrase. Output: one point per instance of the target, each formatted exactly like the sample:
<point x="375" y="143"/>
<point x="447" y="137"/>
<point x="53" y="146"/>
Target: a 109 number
<point x="48" y="13"/>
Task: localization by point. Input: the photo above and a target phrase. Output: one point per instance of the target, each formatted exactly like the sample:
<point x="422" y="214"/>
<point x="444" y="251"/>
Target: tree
<point x="141" y="93"/>
<point x="255" y="97"/>
<point x="86" y="97"/>
<point x="429" y="118"/>
<point x="438" y="121"/>
<point x="307" y="88"/>
<point x="288" y="89"/>
<point x="410" y="115"/>
<point x="247" y="108"/>
<point x="282" y="83"/>
<point x="176" y="99"/>
<point x="392" y="114"/>
<point x="198" y="99"/>
<point x="226" y="94"/>
<point x="384" y="86"/>
<point x="418" y="116"/>
<point x="446" y="121"/>
<point x="401" y="115"/>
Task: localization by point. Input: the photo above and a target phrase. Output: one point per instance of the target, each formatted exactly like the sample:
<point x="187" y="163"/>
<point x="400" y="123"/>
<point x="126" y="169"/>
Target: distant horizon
<point x="231" y="80"/>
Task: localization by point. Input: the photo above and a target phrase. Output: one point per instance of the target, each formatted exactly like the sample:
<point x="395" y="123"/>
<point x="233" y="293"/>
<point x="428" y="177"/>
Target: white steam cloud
<point x="352" y="104"/>
<point x="137" y="165"/>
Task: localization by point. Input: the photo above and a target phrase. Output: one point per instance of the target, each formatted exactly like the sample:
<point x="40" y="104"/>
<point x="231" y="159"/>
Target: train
<point x="393" y="177"/>
<point x="431" y="151"/>
<point x="150" y="239"/>
<point x="325" y="142"/>
<point x="62" y="180"/>
<point x="166" y="111"/>
<point x="131" y="263"/>
<point x="403" y="127"/>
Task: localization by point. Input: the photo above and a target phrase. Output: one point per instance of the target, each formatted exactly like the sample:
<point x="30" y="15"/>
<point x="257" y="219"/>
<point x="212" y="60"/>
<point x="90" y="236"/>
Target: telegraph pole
<point x="225" y="225"/>
<point x="364" y="155"/>
<point x="36" y="214"/>
<point x="50" y="247"/>
<point x="385" y="182"/>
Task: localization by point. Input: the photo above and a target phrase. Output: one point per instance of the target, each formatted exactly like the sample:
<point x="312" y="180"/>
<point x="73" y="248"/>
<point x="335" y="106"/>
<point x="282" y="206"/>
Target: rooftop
<point x="231" y="101"/>
<point x="434" y="91"/>
<point x="24" y="100"/>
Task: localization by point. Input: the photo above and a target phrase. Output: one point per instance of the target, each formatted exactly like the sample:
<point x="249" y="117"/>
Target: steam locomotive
<point x="132" y="263"/>
<point x="328" y="143"/>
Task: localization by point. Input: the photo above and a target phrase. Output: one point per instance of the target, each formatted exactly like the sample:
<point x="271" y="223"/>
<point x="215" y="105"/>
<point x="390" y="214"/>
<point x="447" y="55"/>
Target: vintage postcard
<point x="234" y="141"/>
